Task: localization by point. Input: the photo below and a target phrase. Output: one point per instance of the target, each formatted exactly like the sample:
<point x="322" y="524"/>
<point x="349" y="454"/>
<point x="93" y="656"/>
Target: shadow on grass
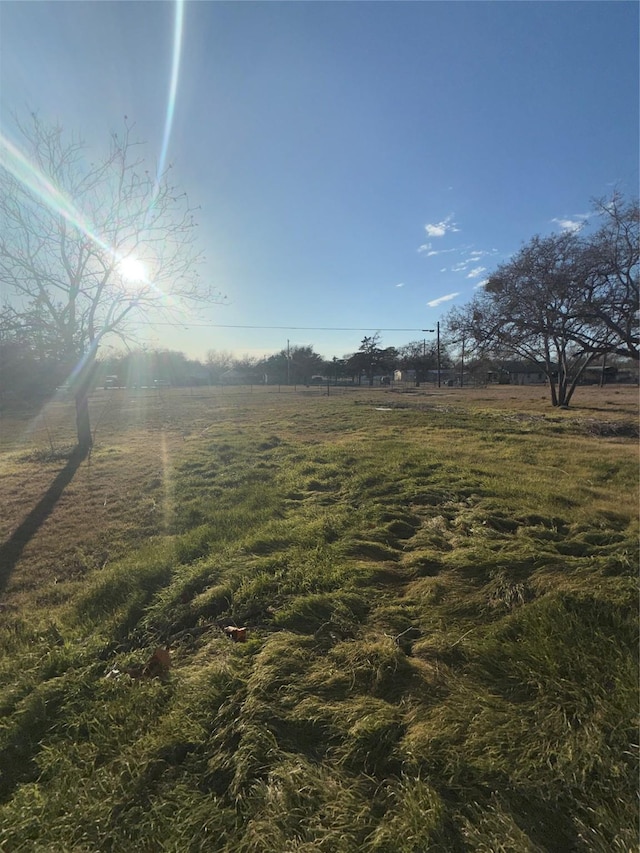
<point x="12" y="549"/>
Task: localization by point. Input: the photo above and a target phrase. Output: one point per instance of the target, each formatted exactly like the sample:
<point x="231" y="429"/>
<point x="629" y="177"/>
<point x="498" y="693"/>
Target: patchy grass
<point x="441" y="613"/>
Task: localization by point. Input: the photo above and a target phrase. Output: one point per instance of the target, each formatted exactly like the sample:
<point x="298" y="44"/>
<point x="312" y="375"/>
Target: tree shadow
<point x="11" y="550"/>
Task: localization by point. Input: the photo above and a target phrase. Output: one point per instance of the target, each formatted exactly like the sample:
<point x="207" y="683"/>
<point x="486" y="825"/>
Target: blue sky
<point x="360" y="165"/>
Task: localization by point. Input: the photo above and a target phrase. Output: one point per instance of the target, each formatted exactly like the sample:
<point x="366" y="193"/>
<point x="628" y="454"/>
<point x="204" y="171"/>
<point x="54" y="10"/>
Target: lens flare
<point x="15" y="162"/>
<point x="173" y="85"/>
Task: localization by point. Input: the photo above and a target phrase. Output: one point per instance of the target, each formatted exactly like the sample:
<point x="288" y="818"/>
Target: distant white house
<point x="447" y="376"/>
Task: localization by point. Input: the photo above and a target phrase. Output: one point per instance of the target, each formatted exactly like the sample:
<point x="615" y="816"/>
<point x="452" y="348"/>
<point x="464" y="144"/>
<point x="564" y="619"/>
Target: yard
<point x="439" y="595"/>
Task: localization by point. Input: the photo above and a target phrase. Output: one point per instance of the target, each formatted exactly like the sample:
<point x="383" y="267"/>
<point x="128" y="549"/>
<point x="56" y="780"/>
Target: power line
<point x="293" y="328"/>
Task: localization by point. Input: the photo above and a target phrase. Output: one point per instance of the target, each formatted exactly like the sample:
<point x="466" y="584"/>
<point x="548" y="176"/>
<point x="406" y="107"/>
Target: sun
<point x="132" y="270"/>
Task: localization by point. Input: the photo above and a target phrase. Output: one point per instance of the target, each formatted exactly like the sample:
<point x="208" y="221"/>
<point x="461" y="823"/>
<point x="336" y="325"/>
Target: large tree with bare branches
<point x="562" y="301"/>
<point x="533" y="308"/>
<point x="89" y="246"/>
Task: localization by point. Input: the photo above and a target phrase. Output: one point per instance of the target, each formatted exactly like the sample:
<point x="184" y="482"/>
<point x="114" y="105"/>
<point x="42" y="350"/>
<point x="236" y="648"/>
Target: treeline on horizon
<point x="29" y="371"/>
<point x="26" y="375"/>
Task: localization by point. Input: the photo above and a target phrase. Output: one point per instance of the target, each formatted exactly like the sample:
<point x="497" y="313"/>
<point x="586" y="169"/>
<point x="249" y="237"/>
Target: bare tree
<point x="533" y="307"/>
<point x="218" y="361"/>
<point x="87" y="248"/>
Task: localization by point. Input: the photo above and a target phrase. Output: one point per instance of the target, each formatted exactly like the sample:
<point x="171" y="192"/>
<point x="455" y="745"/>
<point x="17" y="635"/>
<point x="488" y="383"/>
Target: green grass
<point x="442" y="646"/>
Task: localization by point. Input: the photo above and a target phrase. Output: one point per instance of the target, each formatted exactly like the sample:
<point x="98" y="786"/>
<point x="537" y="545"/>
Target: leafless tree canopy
<point x="562" y="301"/>
<point x="67" y="225"/>
<point x="87" y="247"/>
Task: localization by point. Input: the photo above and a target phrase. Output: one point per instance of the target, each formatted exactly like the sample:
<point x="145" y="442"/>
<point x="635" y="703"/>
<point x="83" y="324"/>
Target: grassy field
<point x="440" y="595"/>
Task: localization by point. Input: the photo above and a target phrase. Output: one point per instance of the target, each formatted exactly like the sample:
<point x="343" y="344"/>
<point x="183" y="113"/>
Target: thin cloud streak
<point x="435" y="302"/>
<point x="476" y="271"/>
<point x="434" y="252"/>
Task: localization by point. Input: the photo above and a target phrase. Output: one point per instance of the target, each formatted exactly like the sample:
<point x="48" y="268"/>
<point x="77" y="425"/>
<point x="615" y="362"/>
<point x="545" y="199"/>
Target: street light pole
<point x="438" y="348"/>
<point x="424" y="344"/>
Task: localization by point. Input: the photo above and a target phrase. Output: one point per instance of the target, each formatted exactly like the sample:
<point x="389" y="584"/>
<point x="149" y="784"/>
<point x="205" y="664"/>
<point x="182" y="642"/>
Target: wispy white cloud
<point x="565" y="224"/>
<point x="476" y="271"/>
<point x="440" y="252"/>
<point x="400" y="285"/>
<point x="439" y="229"/>
<point x="435" y="302"/>
<point x="468" y="258"/>
<point x="425" y="248"/>
<point x="481" y="283"/>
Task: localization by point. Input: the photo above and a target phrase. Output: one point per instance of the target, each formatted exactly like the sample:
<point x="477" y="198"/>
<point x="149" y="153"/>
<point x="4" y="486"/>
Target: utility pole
<point x="424" y="349"/>
<point x="288" y="361"/>
<point x="438" y="348"/>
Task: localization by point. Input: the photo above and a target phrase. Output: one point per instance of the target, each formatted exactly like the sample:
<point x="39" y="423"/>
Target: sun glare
<point x="132" y="270"/>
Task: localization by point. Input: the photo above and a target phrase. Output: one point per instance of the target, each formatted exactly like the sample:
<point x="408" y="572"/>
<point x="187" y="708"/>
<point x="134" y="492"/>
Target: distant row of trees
<point x="562" y="301"/>
<point x="297" y="365"/>
<point x="30" y="373"/>
<point x="418" y="362"/>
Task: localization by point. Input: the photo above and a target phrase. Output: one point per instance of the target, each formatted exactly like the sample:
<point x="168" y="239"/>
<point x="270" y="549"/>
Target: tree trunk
<point x="603" y="372"/>
<point x="562" y="386"/>
<point x="548" y="370"/>
<point x="577" y="376"/>
<point x="84" y="384"/>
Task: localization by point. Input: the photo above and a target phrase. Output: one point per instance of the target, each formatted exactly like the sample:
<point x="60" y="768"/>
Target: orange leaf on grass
<point x="238" y="635"/>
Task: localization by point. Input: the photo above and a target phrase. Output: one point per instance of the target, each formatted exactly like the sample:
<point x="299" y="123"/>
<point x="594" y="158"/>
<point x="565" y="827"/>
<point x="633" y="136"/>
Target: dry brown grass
<point x="121" y="495"/>
<point x="613" y="402"/>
